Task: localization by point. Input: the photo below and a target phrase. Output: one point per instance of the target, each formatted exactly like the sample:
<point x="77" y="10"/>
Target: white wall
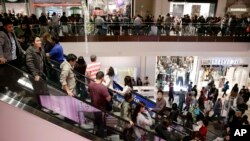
<point x="204" y="10"/>
<point x="215" y="49"/>
<point x="17" y="125"/>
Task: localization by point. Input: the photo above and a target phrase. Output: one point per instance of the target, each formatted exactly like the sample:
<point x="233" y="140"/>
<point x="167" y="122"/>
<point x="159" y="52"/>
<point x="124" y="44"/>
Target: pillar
<point x="161" y="7"/>
<point x="221" y="7"/>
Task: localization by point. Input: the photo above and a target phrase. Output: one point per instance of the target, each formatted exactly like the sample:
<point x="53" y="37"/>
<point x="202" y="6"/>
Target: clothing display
<point x="220" y="74"/>
<point x="177" y="69"/>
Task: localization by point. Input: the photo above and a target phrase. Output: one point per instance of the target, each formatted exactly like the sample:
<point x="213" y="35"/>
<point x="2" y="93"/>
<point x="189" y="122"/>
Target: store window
<point x="179" y="70"/>
<point x="220" y="70"/>
<point x="16" y="6"/>
<point x="96" y="7"/>
<point x="189" y="8"/>
<point x="110" y="7"/>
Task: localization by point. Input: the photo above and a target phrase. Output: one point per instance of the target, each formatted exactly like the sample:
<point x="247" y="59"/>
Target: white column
<point x="150" y="69"/>
<point x="161" y="7"/>
<point x="143" y="67"/>
<point x="220" y="9"/>
<point x="31" y="8"/>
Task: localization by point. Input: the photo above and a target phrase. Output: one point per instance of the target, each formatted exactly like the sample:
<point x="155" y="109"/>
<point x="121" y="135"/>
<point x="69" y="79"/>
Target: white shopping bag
<point x="65" y="29"/>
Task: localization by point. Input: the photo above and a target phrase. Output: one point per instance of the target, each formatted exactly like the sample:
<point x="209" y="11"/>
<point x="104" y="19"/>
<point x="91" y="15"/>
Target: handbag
<point x="129" y="134"/>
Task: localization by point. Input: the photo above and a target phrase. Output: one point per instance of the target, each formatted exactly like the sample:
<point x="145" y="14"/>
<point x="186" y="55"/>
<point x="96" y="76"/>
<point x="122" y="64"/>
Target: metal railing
<point x="144" y="29"/>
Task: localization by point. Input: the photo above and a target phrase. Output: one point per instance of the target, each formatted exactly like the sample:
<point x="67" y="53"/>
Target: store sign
<point x="238" y="9"/>
<point x="220" y="61"/>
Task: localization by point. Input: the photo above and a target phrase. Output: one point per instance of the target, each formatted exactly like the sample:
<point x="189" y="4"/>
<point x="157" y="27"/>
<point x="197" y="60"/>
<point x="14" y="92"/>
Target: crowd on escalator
<point x="46" y="53"/>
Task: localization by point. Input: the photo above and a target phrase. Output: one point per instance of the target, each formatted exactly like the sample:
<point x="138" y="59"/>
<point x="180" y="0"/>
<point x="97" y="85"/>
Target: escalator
<point x="118" y="99"/>
<point x="17" y="89"/>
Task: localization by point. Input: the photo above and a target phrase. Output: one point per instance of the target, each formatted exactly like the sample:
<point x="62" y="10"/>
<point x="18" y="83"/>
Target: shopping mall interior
<point x="124" y="70"/>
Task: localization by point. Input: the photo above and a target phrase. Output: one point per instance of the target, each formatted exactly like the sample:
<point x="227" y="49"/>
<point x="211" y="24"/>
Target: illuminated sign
<point x="238" y="9"/>
<point x="220" y="61"/>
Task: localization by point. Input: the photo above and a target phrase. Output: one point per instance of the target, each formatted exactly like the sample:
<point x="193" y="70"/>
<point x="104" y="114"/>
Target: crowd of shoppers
<point x="229" y="25"/>
<point x="198" y="110"/>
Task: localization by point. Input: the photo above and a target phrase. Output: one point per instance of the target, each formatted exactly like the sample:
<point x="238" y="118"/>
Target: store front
<point x="15" y="6"/>
<point x="57" y="6"/>
<point x="96" y="7"/>
<point x="220" y="70"/>
<point x="180" y="70"/>
<point x="203" y="8"/>
<point x="239" y="8"/>
<point x="103" y="7"/>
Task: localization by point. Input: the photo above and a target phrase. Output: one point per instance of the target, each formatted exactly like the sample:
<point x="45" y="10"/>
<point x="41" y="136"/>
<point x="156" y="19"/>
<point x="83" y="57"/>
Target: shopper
<point x="217" y="109"/>
<point x="56" y="53"/>
<point x="138" y="81"/>
<point x="234" y="91"/>
<point x="37" y="63"/>
<point x="80" y="69"/>
<point x="67" y="77"/>
<point x="171" y="93"/>
<point x="128" y="87"/>
<point x="146" y="81"/>
<point x="93" y="67"/>
<point x="174" y="113"/>
<point x="194" y="91"/>
<point x="109" y="78"/>
<point x="203" y="130"/>
<point x="225" y="88"/>
<point x="108" y="82"/>
<point x="126" y="109"/>
<point x="181" y="100"/>
<point x="10" y="49"/>
<point x="100" y="98"/>
<point x="141" y="120"/>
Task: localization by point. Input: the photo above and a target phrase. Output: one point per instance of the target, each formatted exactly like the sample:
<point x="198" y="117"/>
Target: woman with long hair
<point x="109" y="78"/>
<point x="140" y="120"/>
<point x="234" y="91"/>
<point x="128" y="87"/>
<point x="108" y="82"/>
<point x="80" y="68"/>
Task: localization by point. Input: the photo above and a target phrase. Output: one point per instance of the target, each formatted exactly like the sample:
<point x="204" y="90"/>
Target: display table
<point x="147" y="91"/>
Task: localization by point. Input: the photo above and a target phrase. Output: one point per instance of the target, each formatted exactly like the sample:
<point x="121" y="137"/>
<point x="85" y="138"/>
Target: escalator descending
<point x="57" y="107"/>
<point x="118" y="99"/>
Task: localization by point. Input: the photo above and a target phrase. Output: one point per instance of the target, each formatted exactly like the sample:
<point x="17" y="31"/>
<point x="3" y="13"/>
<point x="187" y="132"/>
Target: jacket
<point x="67" y="76"/>
<point x="6" y="46"/>
<point x="33" y="61"/>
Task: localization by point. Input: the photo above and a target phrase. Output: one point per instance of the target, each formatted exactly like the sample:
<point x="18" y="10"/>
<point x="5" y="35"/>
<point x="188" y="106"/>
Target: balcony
<point x="111" y="32"/>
